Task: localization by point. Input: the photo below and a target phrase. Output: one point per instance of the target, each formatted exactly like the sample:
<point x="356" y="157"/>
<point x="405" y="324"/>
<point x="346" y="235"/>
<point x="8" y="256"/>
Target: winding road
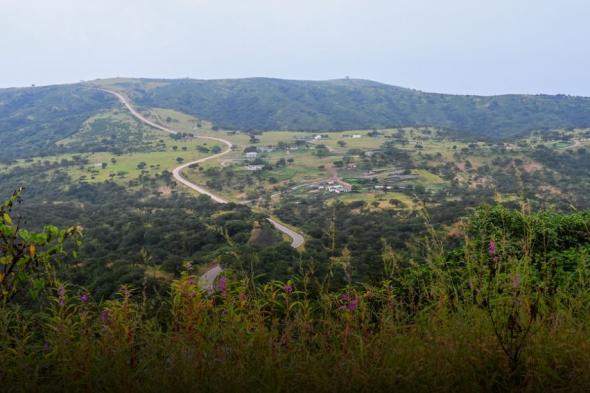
<point x="209" y="277"/>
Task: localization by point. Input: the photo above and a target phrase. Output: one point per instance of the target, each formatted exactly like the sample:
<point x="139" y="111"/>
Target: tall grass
<point x="486" y="317"/>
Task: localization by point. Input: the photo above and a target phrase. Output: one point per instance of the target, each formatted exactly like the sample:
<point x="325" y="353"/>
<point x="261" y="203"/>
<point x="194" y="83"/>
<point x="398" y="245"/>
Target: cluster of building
<point x="260" y="149"/>
<point x="333" y="187"/>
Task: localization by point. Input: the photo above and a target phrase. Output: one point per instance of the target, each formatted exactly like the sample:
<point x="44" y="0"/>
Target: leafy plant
<point x="28" y="260"/>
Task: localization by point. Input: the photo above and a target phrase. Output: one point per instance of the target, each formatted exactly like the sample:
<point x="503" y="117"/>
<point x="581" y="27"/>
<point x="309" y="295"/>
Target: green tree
<point x="29" y="260"/>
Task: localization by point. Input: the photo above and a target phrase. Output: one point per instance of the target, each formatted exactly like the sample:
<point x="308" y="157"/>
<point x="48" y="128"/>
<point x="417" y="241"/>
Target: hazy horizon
<point x="292" y="79"/>
<point x="459" y="47"/>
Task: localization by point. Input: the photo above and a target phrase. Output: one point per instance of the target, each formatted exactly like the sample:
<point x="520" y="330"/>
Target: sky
<point x="449" y="46"/>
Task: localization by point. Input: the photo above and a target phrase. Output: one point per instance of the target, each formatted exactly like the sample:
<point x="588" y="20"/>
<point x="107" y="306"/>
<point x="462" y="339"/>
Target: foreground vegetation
<point x="503" y="309"/>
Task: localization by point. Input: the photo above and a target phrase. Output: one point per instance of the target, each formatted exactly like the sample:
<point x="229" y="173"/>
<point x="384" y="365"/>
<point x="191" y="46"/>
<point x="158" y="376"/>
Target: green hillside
<point x="274" y="104"/>
<point x="32" y="120"/>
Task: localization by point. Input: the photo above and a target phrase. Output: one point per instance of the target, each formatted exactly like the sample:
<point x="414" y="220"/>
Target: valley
<point x="294" y="196"/>
<point x="313" y="190"/>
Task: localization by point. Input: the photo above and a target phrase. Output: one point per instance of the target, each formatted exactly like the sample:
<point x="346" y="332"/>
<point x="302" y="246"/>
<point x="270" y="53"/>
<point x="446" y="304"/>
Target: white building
<point x="251" y="154"/>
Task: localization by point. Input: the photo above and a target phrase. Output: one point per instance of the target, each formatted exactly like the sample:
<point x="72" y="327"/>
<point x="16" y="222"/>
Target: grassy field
<point x="427" y="146"/>
<point x="162" y="152"/>
<point x="294" y="162"/>
<point x="379" y="200"/>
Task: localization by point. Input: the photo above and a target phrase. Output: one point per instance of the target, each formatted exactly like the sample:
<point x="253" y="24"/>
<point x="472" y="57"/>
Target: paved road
<point x="297" y="239"/>
<point x="177" y="172"/>
<point x="209" y="277"/>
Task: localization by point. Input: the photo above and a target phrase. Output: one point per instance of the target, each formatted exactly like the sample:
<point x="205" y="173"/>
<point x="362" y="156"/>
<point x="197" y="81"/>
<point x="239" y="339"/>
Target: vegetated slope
<point x="33" y="119"/>
<point x="274" y="104"/>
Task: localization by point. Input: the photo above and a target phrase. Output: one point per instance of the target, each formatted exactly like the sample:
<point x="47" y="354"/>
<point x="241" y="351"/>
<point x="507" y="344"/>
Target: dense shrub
<point x="485" y="316"/>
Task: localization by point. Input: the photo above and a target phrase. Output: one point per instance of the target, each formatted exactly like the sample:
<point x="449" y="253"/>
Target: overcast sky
<point x="450" y="46"/>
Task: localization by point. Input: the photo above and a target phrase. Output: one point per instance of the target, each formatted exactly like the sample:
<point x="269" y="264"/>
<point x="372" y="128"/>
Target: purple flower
<point x="84" y="297"/>
<point x="46" y="346"/>
<point x="288" y="288"/>
<point x="222" y="285"/>
<point x="105" y="315"/>
<point x="352" y="304"/>
<point x="492" y="248"/>
<point x="61" y="295"/>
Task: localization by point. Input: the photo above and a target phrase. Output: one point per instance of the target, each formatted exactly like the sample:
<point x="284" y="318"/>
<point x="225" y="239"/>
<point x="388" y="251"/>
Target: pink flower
<point x="222" y="285"/>
<point x="353" y="304"/>
<point x="492" y="248"/>
<point x="350" y="303"/>
<point x="84" y="297"/>
<point x="288" y="288"/>
<point x="105" y="315"/>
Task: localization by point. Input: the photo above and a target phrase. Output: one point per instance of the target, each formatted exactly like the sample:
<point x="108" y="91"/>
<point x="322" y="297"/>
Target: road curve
<point x="177" y="172"/>
<point x="297" y="238"/>
<point x="209" y="277"/>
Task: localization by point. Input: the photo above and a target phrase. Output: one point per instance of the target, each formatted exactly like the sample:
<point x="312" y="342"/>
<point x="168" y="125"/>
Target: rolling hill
<point x="33" y="120"/>
<point x="275" y="104"/>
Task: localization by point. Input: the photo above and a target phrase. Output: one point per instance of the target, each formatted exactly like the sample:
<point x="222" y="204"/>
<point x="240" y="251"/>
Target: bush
<point x="506" y="311"/>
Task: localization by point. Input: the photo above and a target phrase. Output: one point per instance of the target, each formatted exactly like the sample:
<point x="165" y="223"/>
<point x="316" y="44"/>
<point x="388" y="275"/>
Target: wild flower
<point x="288" y="288"/>
<point x="351" y="303"/>
<point x="84" y="297"/>
<point x="61" y="295"/>
<point x="105" y="316"/>
<point x="222" y="285"/>
<point x="492" y="248"/>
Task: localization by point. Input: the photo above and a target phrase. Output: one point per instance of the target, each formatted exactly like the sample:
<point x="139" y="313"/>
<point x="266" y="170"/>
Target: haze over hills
<point x="36" y="118"/>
